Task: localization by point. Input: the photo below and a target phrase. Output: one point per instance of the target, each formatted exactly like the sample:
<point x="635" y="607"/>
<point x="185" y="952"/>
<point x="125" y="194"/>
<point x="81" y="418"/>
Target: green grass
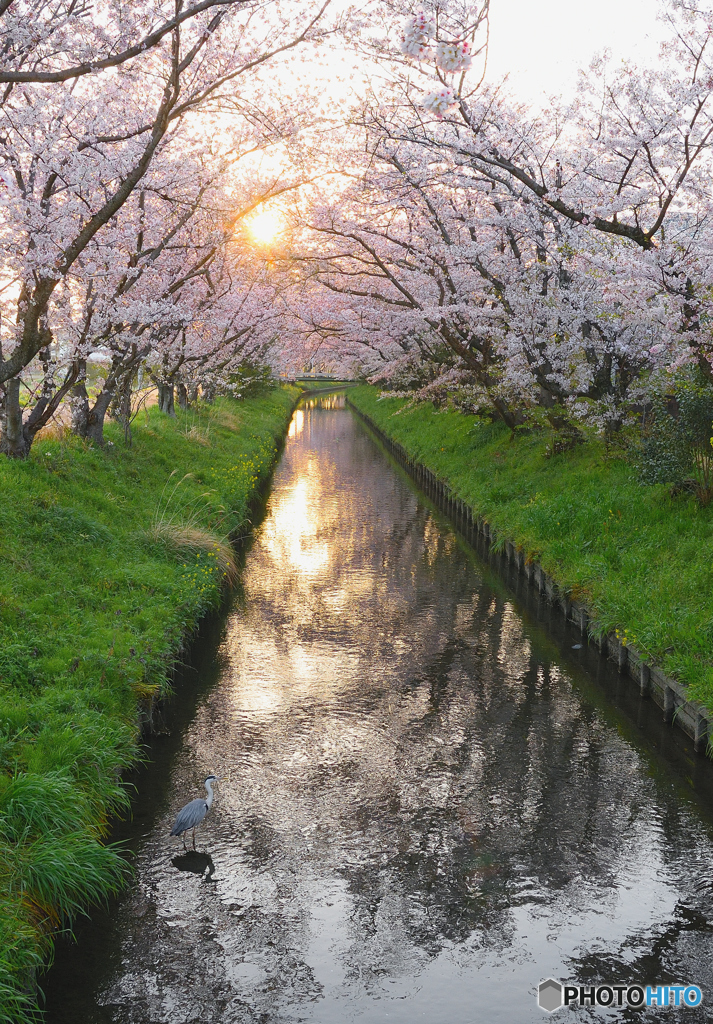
<point x="95" y="604"/>
<point x="641" y="560"/>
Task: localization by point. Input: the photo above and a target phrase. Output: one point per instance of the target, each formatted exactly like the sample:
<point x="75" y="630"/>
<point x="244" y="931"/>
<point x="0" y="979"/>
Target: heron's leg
<point x="194" y="838"/>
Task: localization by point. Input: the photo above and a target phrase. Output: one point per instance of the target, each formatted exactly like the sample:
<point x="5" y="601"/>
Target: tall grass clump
<point x="182" y="524"/>
<point x="109" y="559"/>
<point x="52" y="854"/>
<point x="196" y="423"/>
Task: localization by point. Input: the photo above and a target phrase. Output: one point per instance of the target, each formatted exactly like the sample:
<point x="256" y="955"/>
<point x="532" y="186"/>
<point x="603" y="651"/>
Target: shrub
<point x="676" y="442"/>
<point x="249" y="380"/>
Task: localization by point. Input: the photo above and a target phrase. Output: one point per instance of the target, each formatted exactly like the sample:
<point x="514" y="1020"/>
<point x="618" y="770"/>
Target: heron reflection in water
<point x="190" y="816"/>
<point x="196" y="863"/>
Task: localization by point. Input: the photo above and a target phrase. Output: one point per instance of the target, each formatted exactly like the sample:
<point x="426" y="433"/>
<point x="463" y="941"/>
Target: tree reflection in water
<point x="426" y="813"/>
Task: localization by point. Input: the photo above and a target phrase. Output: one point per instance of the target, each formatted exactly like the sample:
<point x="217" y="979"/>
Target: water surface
<point x="432" y="803"/>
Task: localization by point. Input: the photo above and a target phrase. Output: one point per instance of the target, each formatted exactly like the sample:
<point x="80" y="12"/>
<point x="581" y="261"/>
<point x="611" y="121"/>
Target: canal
<point x="432" y="800"/>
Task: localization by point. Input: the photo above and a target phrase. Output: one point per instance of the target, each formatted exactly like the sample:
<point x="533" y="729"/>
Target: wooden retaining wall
<point x="670" y="695"/>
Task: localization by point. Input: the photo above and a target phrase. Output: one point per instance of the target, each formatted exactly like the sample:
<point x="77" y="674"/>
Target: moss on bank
<point x="641" y="560"/>
<point x="94" y="608"/>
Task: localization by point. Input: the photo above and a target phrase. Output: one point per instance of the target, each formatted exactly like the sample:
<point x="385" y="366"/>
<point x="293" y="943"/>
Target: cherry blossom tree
<point x="543" y="264"/>
<point x="436" y="285"/>
<point x="629" y="160"/>
<point x="174" y="282"/>
<point x="46" y="41"/>
<point x="76" y="145"/>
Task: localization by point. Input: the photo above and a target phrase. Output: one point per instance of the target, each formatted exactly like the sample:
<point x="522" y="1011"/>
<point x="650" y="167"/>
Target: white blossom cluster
<point x="454" y="56"/>
<point x="450" y="56"/>
<point x="416" y="35"/>
<point x="439" y="101"/>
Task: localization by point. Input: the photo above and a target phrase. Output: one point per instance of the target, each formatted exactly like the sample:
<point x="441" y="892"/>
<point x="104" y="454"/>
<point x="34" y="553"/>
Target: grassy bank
<point x="641" y="560"/>
<point x="108" y="563"/>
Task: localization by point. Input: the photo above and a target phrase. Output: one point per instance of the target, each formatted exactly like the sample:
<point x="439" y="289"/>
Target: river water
<point x="432" y="802"/>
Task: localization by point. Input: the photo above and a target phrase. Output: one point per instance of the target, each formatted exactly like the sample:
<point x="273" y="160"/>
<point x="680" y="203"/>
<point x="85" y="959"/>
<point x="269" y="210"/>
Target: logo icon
<point x="549" y="995"/>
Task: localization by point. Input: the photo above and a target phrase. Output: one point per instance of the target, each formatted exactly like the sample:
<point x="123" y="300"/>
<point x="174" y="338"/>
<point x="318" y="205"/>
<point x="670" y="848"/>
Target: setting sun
<point x="265" y="226"/>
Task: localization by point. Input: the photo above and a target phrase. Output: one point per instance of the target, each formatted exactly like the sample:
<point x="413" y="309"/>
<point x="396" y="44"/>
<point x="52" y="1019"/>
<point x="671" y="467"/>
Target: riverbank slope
<point x="639" y="559"/>
<point x="110" y="557"/>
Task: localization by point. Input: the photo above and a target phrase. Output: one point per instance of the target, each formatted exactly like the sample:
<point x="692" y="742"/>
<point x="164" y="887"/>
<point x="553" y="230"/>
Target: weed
<point x="195" y="423"/>
<point x="181" y="508"/>
<point x="182" y="524"/>
<point x="192" y="542"/>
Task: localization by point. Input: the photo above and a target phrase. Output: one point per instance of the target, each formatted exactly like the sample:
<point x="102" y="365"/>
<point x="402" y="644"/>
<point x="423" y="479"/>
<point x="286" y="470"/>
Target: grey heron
<point x="194" y="812"/>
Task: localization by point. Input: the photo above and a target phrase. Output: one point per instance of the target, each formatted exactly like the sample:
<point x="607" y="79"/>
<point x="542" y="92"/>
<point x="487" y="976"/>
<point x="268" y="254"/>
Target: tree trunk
<point x="208" y="393"/>
<point x="95" y="420"/>
<point x="182" y="395"/>
<point x="512" y="418"/>
<point x="79" y="403"/>
<point x="165" y="399"/>
<point x="13" y="441"/>
<point x="125" y="408"/>
<point x="193" y="394"/>
<point x="120" y="409"/>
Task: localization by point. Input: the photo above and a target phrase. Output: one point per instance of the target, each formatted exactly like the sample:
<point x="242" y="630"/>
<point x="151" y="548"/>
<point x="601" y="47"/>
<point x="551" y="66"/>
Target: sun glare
<point x="265" y="226"/>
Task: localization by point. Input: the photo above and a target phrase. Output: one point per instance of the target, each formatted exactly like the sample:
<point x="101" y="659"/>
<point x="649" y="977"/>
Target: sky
<point x="542" y="43"/>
